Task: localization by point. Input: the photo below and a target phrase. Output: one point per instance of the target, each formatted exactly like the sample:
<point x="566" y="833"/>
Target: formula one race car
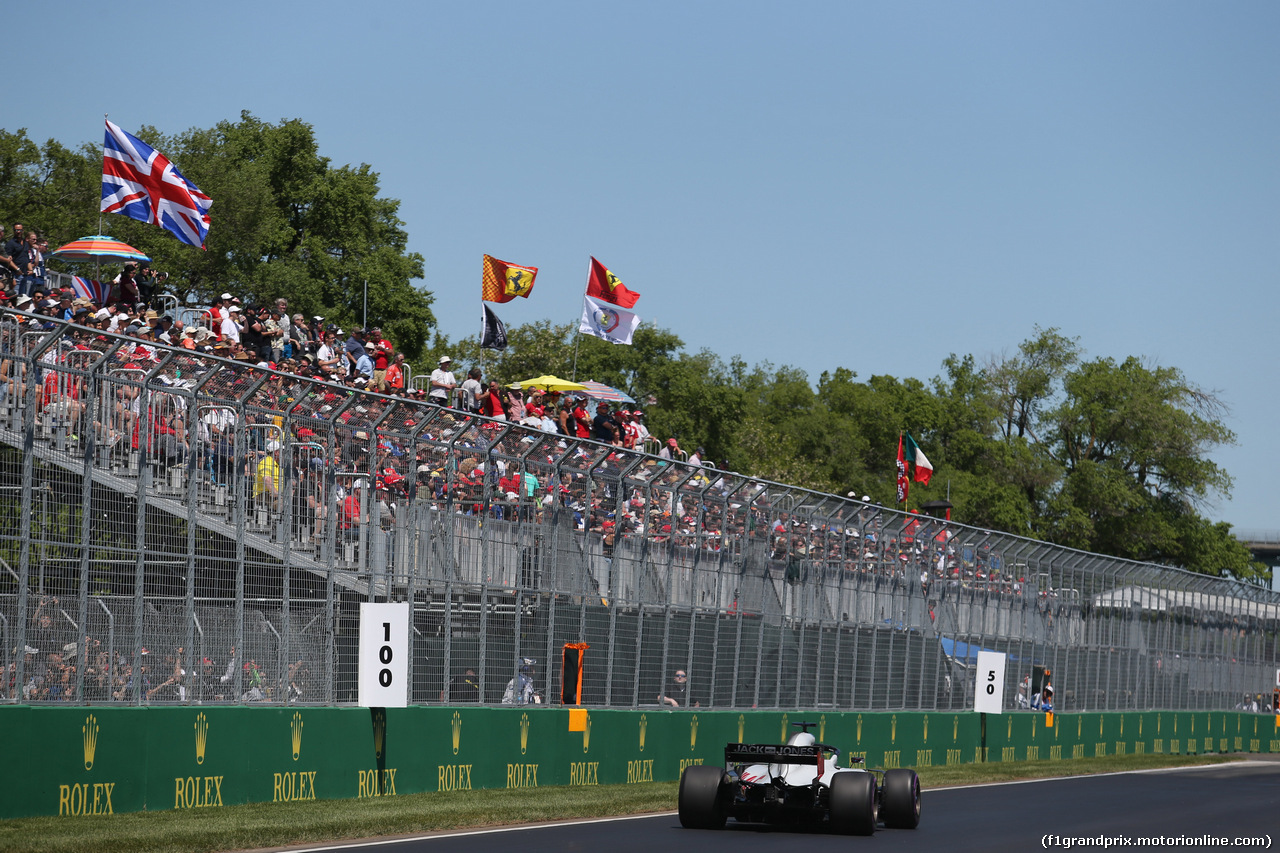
<point x="798" y="782"/>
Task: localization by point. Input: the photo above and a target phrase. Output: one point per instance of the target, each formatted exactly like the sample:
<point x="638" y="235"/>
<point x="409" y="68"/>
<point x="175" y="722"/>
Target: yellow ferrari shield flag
<point x="504" y="282"/>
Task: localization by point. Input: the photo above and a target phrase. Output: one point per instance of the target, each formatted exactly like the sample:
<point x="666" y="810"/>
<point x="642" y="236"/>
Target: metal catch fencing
<point x="183" y="528"/>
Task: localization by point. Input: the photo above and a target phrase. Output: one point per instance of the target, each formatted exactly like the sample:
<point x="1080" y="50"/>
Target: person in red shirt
<point x="382" y="352"/>
<point x="630" y="432"/>
<point x="582" y="423"/>
<point x="61" y="400"/>
<point x="493" y="402"/>
<point x="395" y="373"/>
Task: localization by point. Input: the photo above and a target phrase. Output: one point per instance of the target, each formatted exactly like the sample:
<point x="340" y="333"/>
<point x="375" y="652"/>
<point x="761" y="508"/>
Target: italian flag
<point x="915" y="456"/>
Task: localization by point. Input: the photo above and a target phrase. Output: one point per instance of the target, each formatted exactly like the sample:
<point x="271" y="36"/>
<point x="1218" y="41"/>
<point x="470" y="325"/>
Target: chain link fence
<point x="183" y="528"/>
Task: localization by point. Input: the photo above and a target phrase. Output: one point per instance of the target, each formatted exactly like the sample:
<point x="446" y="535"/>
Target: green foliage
<point x="285" y="222"/>
<point x="1104" y="455"/>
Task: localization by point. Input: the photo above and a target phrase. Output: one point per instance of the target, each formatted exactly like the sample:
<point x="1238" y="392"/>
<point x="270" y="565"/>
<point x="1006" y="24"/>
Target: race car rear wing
<point x="773" y="753"/>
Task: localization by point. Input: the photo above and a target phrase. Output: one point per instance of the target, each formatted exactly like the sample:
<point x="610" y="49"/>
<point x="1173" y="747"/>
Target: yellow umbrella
<point x="549" y="383"/>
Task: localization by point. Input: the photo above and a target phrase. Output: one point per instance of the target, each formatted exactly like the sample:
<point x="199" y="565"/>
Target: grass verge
<point x="259" y="825"/>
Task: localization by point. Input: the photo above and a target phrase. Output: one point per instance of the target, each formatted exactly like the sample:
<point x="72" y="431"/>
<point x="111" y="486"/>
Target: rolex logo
<point x="1099" y="725"/>
<point x="524" y="733"/>
<point x="742" y="726"/>
<point x="1139" y="726"/>
<point x="586" y="734"/>
<point x="693" y="733"/>
<point x="926" y="728"/>
<point x="296" y="727"/>
<point x="1122" y="725"/>
<point x="955" y="728"/>
<point x="1009" y="733"/>
<point x="644" y="724"/>
<point x="457" y="731"/>
<point x="783" y="737"/>
<point x="202" y="736"/>
<point x="822" y="727"/>
<point x="1159" y="722"/>
<point x="859" y="728"/>
<point x="1079" y="726"/>
<point x="893" y="729"/>
<point x="90" y="732"/>
<point x="379" y="731"/>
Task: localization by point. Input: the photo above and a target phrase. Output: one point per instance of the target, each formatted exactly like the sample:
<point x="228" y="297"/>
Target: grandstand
<point x="187" y="528"/>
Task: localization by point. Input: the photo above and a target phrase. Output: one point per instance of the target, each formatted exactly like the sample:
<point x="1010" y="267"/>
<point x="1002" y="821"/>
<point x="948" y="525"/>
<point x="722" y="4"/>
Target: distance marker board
<point x="384" y="655"/>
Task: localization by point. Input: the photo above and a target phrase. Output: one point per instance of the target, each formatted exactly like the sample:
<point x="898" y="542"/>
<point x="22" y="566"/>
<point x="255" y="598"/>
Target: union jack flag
<point x="95" y="291"/>
<point x="142" y="184"/>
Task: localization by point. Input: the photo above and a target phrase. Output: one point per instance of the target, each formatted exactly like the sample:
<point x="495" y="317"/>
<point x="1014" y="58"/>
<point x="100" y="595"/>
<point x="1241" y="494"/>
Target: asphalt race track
<point x="1226" y="801"/>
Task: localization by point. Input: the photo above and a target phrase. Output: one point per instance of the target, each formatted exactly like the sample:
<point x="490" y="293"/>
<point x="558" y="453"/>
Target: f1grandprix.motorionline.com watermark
<point x="1046" y="841"/>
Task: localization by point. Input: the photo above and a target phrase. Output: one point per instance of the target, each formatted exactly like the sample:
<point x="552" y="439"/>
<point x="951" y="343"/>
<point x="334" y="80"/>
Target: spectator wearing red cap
<point x="630" y="432"/>
<point x="671" y="450"/>
<point x="642" y="431"/>
<point x="381" y="351"/>
<point x="581" y="421"/>
<point x="603" y="427"/>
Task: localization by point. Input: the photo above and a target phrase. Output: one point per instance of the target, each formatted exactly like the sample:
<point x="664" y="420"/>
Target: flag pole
<point x="97" y="262"/>
<point x="484" y="365"/>
<point x="577" y="335"/>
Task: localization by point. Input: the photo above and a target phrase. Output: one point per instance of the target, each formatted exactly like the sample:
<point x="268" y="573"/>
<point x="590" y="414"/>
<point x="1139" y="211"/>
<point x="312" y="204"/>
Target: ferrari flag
<point x="504" y="282"/>
<point x="923" y="467"/>
<point x="604" y="285"/>
<point x="607" y="322"/>
<point x="140" y="183"/>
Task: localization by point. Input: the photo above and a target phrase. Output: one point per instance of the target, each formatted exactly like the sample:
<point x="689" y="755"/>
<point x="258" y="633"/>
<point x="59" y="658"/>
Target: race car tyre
<point x="900" y="801"/>
<point x="853" y="803"/>
<point x="702" y="797"/>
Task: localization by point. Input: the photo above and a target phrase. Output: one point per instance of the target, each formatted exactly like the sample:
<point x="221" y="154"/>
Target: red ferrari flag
<point x="504" y="282"/>
<point x="904" y="483"/>
<point x="604" y="285"/>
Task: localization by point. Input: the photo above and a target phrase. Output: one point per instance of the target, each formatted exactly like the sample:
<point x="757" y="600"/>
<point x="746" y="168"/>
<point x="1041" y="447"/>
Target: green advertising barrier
<point x="104" y="760"/>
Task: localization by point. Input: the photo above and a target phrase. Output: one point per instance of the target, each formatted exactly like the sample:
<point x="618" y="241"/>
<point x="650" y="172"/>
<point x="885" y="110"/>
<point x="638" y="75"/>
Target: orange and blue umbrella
<point x="605" y="393"/>
<point x="98" y="248"/>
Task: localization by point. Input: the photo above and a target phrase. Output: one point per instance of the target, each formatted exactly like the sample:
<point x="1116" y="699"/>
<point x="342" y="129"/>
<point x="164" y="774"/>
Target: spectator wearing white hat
<point x="442" y="382"/>
<point x="230" y="329"/>
<point x="218" y="310"/>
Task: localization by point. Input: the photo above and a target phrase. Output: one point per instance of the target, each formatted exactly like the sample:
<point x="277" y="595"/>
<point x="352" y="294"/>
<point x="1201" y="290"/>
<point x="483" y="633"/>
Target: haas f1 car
<point x="798" y="782"/>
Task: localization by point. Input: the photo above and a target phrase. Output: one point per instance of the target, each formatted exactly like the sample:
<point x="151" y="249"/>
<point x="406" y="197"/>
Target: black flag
<point x="493" y="335"/>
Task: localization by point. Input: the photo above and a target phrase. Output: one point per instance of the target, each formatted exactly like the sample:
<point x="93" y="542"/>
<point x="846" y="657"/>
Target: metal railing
<point x="181" y="528"/>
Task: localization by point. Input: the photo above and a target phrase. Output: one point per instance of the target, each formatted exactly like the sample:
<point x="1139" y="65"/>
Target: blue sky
<point x="866" y="185"/>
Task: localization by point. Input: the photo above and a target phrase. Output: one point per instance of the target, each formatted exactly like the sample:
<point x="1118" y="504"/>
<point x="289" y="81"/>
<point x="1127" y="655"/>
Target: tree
<point x="285" y="222"/>
<point x="52" y="189"/>
<point x="1133" y="442"/>
<point x="1104" y="455"/>
<point x="1024" y="384"/>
